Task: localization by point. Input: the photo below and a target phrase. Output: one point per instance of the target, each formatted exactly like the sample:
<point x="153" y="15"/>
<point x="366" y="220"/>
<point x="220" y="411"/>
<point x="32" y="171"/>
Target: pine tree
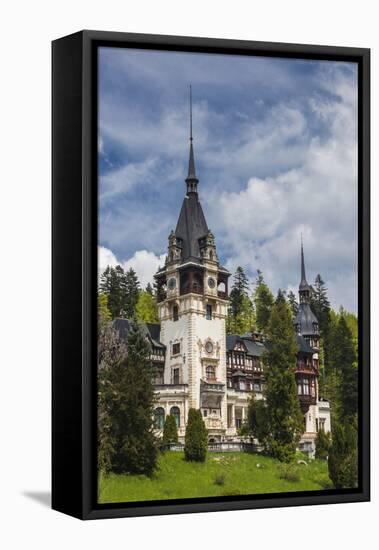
<point x="112" y="284"/>
<point x="147" y="308"/>
<point x="263" y="302"/>
<point x="292" y="302"/>
<point x="111" y="355"/>
<point x="347" y="368"/>
<point x="135" y="442"/>
<point x="196" y="439"/>
<point x="257" y="423"/>
<point x="149" y="289"/>
<point x="131" y="293"/>
<point x="170" y="430"/>
<point x="320" y="304"/>
<point x="241" y="313"/>
<point x="343" y="457"/>
<point x="284" y="414"/>
<point x="322" y="444"/>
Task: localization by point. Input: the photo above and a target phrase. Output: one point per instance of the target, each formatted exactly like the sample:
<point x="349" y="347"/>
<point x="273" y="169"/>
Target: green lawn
<point x="222" y="474"/>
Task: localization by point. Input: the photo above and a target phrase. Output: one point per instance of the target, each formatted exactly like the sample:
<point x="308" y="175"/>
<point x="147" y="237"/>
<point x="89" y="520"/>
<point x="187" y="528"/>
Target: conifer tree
<point x="263" y="303"/>
<point x="112" y="284"/>
<point x="284" y="414"/>
<point x="111" y="355"/>
<point x="320" y="304"/>
<point x="241" y="313"/>
<point x="343" y="457"/>
<point x="346" y="366"/>
<point x="135" y="442"/>
<point x="170" y="430"/>
<point x="322" y="444"/>
<point x="257" y="423"/>
<point x="132" y="288"/>
<point x="292" y="302"/>
<point x="149" y="289"/>
<point x="196" y="438"/>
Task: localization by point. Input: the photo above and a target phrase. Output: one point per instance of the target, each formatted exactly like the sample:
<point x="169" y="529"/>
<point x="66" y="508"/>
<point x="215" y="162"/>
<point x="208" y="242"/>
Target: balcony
<point x="212" y="386"/>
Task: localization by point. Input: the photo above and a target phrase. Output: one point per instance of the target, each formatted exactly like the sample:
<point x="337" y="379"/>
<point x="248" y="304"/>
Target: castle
<point x="196" y="364"/>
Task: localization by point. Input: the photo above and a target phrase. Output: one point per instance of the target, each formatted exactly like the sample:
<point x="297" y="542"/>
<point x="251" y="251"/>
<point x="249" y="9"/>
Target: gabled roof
<point x="151" y="330"/>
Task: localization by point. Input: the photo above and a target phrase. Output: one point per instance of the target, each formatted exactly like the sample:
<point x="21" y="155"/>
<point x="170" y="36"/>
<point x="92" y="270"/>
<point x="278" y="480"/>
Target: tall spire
<point x="303" y="283"/>
<point x="191" y="179"/>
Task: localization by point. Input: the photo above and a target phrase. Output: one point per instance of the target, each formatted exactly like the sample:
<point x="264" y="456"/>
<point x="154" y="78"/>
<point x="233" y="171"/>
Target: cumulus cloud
<point x="144" y="263"/>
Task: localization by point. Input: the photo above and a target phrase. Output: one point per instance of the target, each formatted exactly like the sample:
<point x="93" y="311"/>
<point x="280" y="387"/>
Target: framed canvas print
<point x="210" y="274"/>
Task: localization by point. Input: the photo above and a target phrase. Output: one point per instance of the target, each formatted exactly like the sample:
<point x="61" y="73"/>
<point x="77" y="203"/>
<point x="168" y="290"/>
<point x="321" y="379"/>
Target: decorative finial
<point x="191" y="179"/>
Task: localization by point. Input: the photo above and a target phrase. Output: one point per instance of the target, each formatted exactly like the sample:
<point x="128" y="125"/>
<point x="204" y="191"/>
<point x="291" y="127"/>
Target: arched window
<point x="175" y="412"/>
<point x="210" y="372"/>
<point x="159" y="418"/>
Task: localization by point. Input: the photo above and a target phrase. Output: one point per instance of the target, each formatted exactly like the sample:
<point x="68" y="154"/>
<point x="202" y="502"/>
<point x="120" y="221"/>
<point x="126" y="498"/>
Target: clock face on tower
<point x="211" y="282"/>
<point x="172" y="283"/>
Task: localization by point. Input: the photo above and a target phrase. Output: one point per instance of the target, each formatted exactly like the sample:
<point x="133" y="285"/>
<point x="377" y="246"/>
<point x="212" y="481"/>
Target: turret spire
<point x="191" y="179"/>
<point x="304" y="288"/>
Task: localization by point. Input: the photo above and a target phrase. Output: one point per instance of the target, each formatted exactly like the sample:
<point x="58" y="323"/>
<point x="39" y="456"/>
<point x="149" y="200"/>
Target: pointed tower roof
<point x="303" y="283"/>
<point x="191" y="223"/>
<point x="191" y="179"/>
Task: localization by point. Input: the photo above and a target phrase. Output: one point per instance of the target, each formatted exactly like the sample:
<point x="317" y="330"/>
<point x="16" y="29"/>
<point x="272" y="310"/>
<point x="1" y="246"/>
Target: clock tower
<point x="192" y="291"/>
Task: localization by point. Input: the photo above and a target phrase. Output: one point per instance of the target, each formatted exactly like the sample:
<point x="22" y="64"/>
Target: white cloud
<point x="262" y="223"/>
<point x="144" y="263"/>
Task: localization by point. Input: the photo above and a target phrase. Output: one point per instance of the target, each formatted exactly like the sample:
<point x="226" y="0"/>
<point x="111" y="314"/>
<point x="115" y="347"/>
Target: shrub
<point x="289" y="472"/>
<point x="322" y="445"/>
<point x="170" y="430"/>
<point x="219" y="479"/>
<point x="196" y="440"/>
<point x="343" y="460"/>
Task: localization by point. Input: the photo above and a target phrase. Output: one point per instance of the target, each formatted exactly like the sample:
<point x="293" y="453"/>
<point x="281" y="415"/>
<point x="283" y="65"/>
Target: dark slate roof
<point x="253" y="348"/>
<point x="152" y="330"/>
<point x="191" y="227"/>
<point x="303" y="345"/>
<point x="305" y="319"/>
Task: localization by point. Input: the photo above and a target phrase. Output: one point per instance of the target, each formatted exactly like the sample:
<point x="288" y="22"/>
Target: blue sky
<point x="276" y="154"/>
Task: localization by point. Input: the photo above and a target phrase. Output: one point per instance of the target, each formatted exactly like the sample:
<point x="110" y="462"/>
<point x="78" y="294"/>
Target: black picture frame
<point x="74" y="272"/>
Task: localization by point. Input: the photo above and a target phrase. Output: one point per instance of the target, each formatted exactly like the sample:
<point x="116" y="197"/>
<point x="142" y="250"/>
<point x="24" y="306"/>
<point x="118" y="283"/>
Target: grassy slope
<point x="179" y="479"/>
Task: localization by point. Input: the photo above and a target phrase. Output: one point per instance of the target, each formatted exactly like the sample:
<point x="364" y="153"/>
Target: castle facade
<point x="196" y="364"/>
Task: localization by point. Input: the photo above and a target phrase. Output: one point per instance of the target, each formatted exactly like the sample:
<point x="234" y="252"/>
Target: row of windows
<point x="159" y="416"/>
<point x="245" y="385"/>
<point x="305" y="387"/>
<point x="208" y="313"/>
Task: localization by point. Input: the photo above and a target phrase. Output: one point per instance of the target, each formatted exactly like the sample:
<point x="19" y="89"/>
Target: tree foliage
<point x="121" y="289"/>
<point x="170" y="430"/>
<point x="257" y="422"/>
<point x="126" y="399"/>
<point x="111" y="355"/>
<point x="104" y="316"/>
<point x="323" y="443"/>
<point x="263" y="303"/>
<point x="343" y="457"/>
<point x="285" y="419"/>
<point x="241" y="312"/>
<point x="146" y="308"/>
<point x="196" y="438"/>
